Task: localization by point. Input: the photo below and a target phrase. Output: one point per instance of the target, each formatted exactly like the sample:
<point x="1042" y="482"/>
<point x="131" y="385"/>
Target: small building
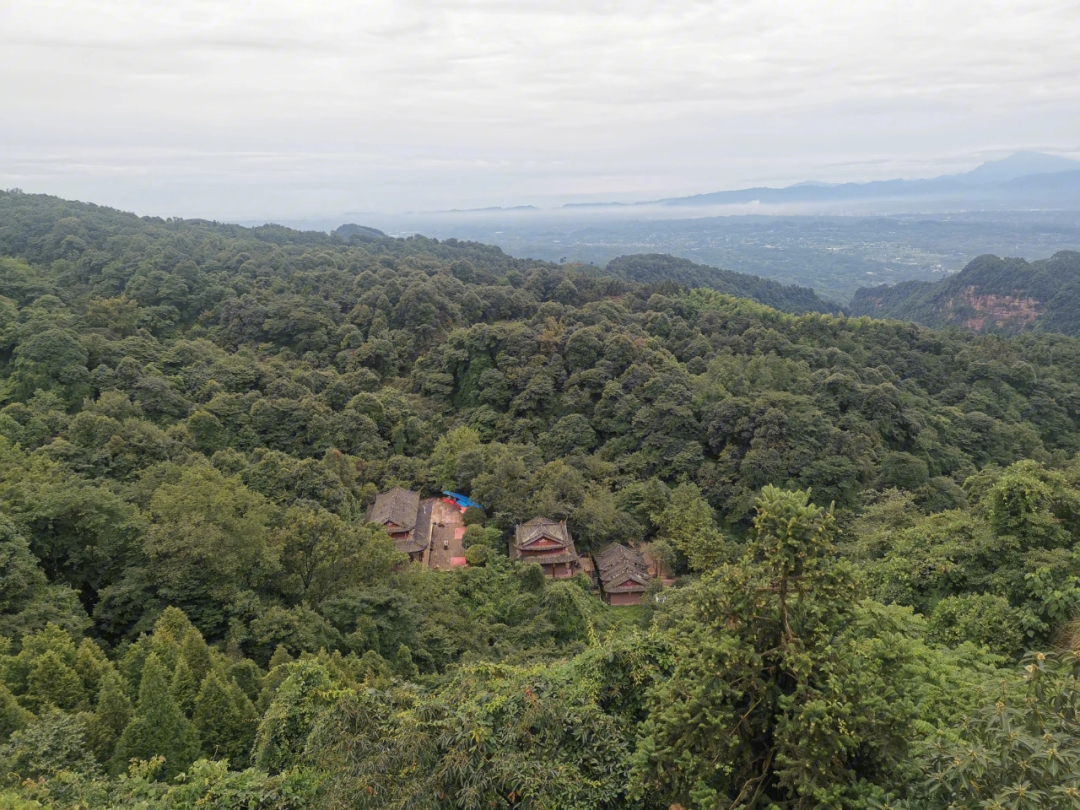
<point x="399" y="511"/>
<point x="548" y="543"/>
<point x="623" y="573"/>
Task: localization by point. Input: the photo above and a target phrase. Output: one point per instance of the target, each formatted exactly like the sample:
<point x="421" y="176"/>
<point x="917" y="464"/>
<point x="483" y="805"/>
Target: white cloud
<point x="413" y="104"/>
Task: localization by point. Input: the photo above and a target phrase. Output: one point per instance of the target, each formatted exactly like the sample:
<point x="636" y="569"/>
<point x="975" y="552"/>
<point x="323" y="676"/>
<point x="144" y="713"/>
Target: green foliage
<point x="473" y="516"/>
<point x="291" y="715"/>
<point x="904" y="471"/>
<point x="27" y="601"/>
<point x="1033" y="505"/>
<point x="1002" y="573"/>
<point x="475" y="535"/>
<point x="557" y="736"/>
<point x="687" y="523"/>
<point x="772" y="680"/>
<point x="980" y="618"/>
<point x="659" y="268"/>
<point x="44" y="654"/>
<point x="158" y="728"/>
<point x="404" y="664"/>
<point x="477" y="555"/>
<point x="322" y="555"/>
<point x="21" y="580"/>
<point x="225" y="720"/>
<point x="13" y="717"/>
<point x="52" y="683"/>
<point x="184" y="688"/>
<point x="50" y="744"/>
<point x="196" y="417"/>
<point x="1019" y="751"/>
<point x="212" y="784"/>
<point x="207" y="539"/>
<point x="112" y="713"/>
<point x="50" y="360"/>
<point x="453" y="459"/>
<point x="204" y="784"/>
<point x="195" y="654"/>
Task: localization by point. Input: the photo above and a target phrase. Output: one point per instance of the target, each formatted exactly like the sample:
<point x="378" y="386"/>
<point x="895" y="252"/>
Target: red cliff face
<point x="997" y="310"/>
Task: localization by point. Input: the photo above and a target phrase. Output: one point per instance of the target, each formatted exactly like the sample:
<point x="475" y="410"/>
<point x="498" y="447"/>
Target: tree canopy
<point x="864" y="533"/>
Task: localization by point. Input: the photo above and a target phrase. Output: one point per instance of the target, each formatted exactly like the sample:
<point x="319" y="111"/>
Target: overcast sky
<point x="277" y="108"/>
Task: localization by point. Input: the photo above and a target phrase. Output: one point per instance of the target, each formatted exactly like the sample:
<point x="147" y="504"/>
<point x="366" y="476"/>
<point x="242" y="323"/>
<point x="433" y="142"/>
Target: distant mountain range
<point x="989" y="295"/>
<point x="1024" y="179"/>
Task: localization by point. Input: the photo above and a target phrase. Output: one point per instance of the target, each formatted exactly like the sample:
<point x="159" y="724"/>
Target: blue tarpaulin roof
<point x="464" y="501"/>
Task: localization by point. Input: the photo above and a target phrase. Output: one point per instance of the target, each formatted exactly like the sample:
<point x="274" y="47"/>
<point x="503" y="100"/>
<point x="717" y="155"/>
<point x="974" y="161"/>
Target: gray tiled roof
<point x="618" y="554"/>
<point x="398" y="506"/>
<point x="621" y="570"/>
<point x="550" y="541"/>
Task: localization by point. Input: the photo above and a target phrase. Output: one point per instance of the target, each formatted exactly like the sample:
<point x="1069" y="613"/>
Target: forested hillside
<point x="872" y="527"/>
<point x="656" y="268"/>
<point x="989" y="295"/>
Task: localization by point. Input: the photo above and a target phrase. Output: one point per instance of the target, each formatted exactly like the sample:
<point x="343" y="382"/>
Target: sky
<point x="241" y="109"/>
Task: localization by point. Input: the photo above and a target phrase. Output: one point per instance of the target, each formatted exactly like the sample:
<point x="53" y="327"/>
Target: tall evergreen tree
<point x="280" y="658"/>
<point x="51" y="682"/>
<point x="13" y="717"/>
<point x="687" y="522"/>
<point x="110" y="717"/>
<point x="225" y="720"/>
<point x="772" y="702"/>
<point x="158" y="728"/>
<point x="194" y="651"/>
<point x="184" y="688"/>
<point x="404" y="664"/>
<point x="91" y="664"/>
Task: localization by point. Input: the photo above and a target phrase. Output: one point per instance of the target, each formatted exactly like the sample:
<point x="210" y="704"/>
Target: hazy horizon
<point x="245" y="110"/>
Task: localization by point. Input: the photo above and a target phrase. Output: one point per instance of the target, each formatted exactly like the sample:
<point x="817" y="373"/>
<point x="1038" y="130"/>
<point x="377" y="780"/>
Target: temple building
<point x="623" y="573"/>
<point x="402" y="514"/>
<point x="548" y="543"/>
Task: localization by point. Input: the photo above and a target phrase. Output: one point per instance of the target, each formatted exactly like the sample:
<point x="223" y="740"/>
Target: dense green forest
<point x="656" y="268"/>
<point x="872" y="526"/>
<point x="989" y="295"/>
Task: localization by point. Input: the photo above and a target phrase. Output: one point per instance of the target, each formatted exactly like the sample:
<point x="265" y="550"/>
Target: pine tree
<point x="13" y="717"/>
<point x="172" y="625"/>
<point x="276" y="672"/>
<point x="249" y="722"/>
<point x="773" y="702"/>
<point x="91" y="665"/>
<point x="196" y="653"/>
<point x="51" y="682"/>
<point x="169" y="631"/>
<point x="224" y="718"/>
<point x="184" y="688"/>
<point x="404" y="664"/>
<point x="158" y="728"/>
<point x="247" y="675"/>
<point x="113" y="712"/>
<point x="280" y="658"/>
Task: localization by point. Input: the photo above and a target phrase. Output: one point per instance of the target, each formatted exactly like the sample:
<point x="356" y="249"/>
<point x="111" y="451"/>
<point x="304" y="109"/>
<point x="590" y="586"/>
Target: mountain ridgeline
<point x="658" y="268"/>
<point x="670" y="272"/>
<point x="865" y="534"/>
<point x="990" y="294"/>
<point x="1019" y="180"/>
